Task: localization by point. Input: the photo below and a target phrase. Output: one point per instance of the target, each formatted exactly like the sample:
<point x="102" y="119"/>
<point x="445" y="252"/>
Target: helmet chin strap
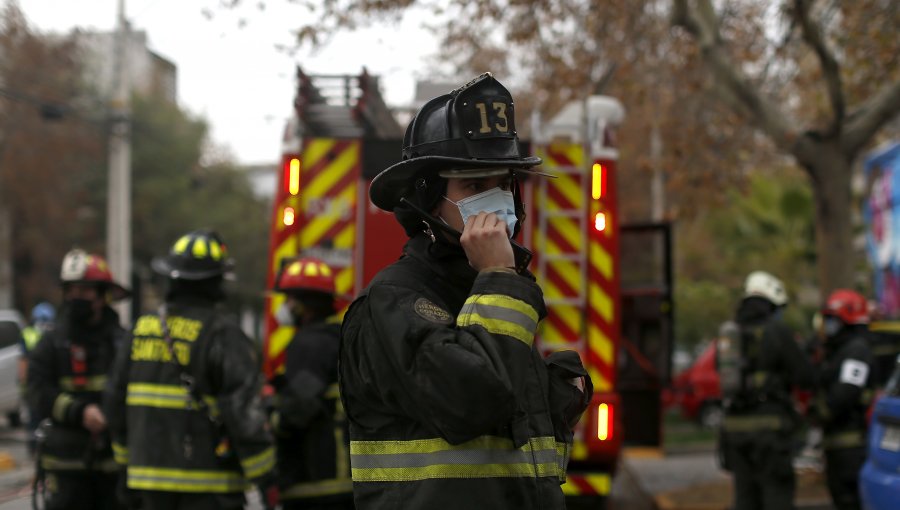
<point x="522" y="254"/>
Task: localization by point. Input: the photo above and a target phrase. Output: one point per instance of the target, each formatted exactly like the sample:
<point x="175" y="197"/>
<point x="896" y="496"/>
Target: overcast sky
<point x="235" y="77"/>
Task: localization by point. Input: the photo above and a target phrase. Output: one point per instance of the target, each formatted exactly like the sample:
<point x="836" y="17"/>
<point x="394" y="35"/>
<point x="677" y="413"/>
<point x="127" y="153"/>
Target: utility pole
<point x="118" y="210"/>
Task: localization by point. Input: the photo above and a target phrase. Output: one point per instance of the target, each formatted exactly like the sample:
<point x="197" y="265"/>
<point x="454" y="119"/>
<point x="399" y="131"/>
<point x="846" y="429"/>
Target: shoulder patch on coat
<point x="854" y="372"/>
<point x="432" y="312"/>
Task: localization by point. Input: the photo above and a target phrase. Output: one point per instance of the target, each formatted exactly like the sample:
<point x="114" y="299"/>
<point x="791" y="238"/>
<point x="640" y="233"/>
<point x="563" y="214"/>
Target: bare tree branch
<point x="701" y="22"/>
<point x="863" y="123"/>
<point x="831" y="73"/>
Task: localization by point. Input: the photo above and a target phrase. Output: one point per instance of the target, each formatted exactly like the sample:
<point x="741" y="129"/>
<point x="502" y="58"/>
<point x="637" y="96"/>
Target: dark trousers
<point x="73" y="490"/>
<point x="304" y="504"/>
<point x="763" y="472"/>
<point x="842" y="467"/>
<point x="160" y="500"/>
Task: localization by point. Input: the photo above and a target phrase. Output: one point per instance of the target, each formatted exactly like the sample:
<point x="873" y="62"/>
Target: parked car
<point x="695" y="391"/>
<point x="11" y="325"/>
<point x="879" y="480"/>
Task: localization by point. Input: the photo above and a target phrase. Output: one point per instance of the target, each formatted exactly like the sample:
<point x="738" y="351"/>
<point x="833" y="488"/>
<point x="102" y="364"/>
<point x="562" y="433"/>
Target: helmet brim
<point x="393" y="183"/>
<point x="165" y="267"/>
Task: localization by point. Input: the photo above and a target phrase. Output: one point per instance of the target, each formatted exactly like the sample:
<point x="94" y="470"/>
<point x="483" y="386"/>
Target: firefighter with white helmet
<point x="67" y="374"/>
<point x="309" y="422"/>
<point x="186" y="414"/>
<point x="450" y="403"/>
<point x="844" y="392"/>
<point x="757" y="371"/>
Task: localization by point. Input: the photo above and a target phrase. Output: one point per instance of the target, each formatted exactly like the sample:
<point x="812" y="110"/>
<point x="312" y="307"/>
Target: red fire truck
<point x="619" y="319"/>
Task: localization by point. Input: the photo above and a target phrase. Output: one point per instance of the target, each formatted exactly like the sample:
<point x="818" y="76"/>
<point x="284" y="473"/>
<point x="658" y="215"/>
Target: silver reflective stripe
<point x="418" y="460"/>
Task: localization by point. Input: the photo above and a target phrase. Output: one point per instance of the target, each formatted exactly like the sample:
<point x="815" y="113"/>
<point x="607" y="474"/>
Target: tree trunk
<point x="831" y="174"/>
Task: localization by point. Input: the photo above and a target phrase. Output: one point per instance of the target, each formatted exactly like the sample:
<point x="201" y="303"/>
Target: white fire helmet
<point x="764" y="285"/>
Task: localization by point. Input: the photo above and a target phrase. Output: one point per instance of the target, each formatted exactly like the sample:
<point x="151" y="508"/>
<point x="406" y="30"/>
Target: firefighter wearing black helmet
<point x="450" y="404"/>
<point x="66" y="376"/>
<point x="184" y="404"/>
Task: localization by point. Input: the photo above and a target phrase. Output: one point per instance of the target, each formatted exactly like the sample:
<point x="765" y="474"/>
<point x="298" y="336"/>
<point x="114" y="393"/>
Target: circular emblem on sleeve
<point x="432" y="312"/>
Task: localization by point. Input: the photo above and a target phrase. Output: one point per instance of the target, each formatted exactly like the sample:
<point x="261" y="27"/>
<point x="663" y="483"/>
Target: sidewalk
<point x="692" y="480"/>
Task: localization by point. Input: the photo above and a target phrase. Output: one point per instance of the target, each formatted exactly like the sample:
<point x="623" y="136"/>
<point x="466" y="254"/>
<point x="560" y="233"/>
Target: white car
<point x="11" y="325"/>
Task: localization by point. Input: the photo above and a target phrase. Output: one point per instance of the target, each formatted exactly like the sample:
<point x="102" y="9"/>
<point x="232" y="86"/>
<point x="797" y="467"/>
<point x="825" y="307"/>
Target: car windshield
<point x="892" y="388"/>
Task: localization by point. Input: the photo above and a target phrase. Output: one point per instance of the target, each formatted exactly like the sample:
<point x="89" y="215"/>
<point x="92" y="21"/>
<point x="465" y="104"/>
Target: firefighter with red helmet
<point x="449" y="401"/>
<point x="309" y="422"/>
<point x="845" y="391"/>
<point x="67" y="374"/>
<point x="185" y="407"/>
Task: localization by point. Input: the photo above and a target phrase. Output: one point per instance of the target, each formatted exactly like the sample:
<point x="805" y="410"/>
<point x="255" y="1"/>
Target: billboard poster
<point x="881" y="214"/>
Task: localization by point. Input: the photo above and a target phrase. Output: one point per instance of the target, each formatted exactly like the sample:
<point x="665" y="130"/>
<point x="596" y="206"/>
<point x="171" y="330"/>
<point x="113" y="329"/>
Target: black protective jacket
<point x="168" y="440"/>
<point x="772" y="363"/>
<point x="68" y="370"/>
<point x="310" y="426"/>
<point x="845" y="390"/>
<point x="450" y="404"/>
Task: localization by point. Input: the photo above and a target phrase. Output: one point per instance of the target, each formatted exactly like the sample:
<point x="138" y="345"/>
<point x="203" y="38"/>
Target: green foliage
<point x="769" y="226"/>
<point x="174" y="192"/>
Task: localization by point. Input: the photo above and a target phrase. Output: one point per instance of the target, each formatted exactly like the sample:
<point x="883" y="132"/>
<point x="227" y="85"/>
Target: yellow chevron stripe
<point x="600" y="344"/>
<point x="276" y="300"/>
<point x="346" y="238"/>
<point x="551" y="290"/>
<point x="601" y="383"/>
<point x="343" y="282"/>
<point x="279" y="340"/>
<point x="568" y="228"/>
<point x="570" y="315"/>
<point x="551" y="338"/>
<point x="579" y="449"/>
<point x="321" y="223"/>
<point x="569" y="187"/>
<point x="601" y="260"/>
<point x="575" y="153"/>
<point x="569" y="272"/>
<point x="600" y="483"/>
<point x="315" y="150"/>
<point x="326" y="179"/>
<point x="601" y="302"/>
<point x="287" y="249"/>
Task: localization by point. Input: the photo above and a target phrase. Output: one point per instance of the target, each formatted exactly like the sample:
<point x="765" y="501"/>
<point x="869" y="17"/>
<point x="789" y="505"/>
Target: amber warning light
<point x="294" y="176"/>
<point x="604" y="422"/>
<point x="289" y="216"/>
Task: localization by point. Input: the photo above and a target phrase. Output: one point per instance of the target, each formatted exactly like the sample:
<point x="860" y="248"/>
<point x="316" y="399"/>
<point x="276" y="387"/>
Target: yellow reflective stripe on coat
<point x="93" y="383"/>
<point x="52" y="463"/>
<point x="166" y="396"/>
<point x="61" y="406"/>
<point x="184" y="480"/>
<point x="423" y="459"/>
<point x="328" y="487"/>
<point x="259" y="464"/>
<point x="332" y="391"/>
<point x="120" y="453"/>
<point x="31" y="335"/>
<point x="753" y="423"/>
<point x="848" y="439"/>
<point x="500" y="314"/>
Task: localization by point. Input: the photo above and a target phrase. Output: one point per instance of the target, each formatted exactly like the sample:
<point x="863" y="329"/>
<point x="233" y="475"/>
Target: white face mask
<point x="494" y="200"/>
<point x="283" y="315"/>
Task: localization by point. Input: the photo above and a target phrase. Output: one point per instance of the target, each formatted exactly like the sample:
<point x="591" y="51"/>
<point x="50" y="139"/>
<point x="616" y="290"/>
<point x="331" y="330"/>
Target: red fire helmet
<point x="847" y="305"/>
<point x="81" y="267"/>
<point x="306" y="274"/>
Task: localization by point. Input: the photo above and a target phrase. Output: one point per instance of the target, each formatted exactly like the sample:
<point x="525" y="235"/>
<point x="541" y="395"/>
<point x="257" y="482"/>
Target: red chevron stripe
<point x="324" y="162"/>
<point x="582" y="484"/>
<point x="556" y="278"/>
<point x="557" y="157"/>
<point x="561" y="326"/>
<point x="556" y="237"/>
<point x="557" y="196"/>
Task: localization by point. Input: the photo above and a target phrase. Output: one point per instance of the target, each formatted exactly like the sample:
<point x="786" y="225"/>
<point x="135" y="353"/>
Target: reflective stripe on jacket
<point x="166" y="437"/>
<point x="446" y="394"/>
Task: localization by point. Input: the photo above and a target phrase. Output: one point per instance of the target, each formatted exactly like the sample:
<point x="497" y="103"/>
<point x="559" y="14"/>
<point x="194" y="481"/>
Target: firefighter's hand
<point x="486" y="242"/>
<point x="93" y="419"/>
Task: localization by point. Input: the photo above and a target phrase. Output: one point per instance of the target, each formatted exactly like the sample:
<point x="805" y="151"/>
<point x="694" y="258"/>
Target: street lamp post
<point x="118" y="214"/>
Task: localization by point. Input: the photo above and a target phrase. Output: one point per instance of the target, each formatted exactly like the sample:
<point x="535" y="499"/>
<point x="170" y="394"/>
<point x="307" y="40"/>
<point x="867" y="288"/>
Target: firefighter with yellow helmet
<point x="759" y="362"/>
<point x="450" y="403"/>
<point x="67" y="374"/>
<point x="186" y="414"/>
<point x="309" y="422"/>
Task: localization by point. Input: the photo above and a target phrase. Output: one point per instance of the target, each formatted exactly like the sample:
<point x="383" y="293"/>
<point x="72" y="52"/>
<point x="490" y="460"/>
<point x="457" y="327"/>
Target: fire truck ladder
<point x="577" y="257"/>
<point x="343" y="106"/>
